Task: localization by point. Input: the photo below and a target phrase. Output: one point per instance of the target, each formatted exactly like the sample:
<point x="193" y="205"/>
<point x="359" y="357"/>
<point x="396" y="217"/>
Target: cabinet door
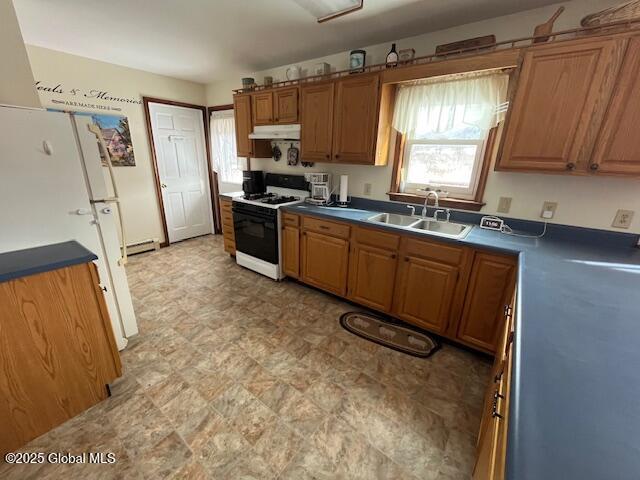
<point x="490" y="290"/>
<point x="425" y="292"/>
<point x="325" y="261"/>
<point x="559" y="105"/>
<point x="316" y="117"/>
<point x="372" y="275"/>
<point x="244" y="126"/>
<point x="285" y="105"/>
<point x="355" y="119"/>
<point x="262" y="108"/>
<point x="291" y="251"/>
<point x="618" y="145"/>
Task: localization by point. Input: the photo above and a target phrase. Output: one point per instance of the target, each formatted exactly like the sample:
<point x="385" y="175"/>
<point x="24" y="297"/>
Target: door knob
<point x="163" y="185"/>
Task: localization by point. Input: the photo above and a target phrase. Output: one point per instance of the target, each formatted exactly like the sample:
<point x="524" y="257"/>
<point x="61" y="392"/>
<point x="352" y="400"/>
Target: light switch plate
<point x="367" y="189"/>
<point x="548" y="210"/>
<point x="504" y="204"/>
<point x="623" y="219"/>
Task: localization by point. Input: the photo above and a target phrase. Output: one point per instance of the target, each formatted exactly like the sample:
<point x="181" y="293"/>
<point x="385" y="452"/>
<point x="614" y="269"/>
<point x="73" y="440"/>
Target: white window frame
<point x="228" y="114"/>
<point x="453" y="191"/>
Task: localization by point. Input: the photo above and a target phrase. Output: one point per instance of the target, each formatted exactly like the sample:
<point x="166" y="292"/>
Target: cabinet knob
<point x="337" y="156"/>
<point x="393" y="255"/>
<point x="276" y="119"/>
<point x="571" y="166"/>
<point x="406" y="259"/>
<point x="594" y="166"/>
<point x="328" y="156"/>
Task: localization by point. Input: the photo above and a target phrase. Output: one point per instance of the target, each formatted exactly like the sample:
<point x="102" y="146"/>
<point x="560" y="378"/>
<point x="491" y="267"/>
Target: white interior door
<point x="179" y="140"/>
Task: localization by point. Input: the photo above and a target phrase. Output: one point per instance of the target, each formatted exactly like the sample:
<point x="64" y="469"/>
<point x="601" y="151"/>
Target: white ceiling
<point x="207" y="40"/>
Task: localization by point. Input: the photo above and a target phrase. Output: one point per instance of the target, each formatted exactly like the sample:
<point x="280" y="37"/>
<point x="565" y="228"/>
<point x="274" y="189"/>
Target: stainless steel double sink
<point x="427" y="225"/>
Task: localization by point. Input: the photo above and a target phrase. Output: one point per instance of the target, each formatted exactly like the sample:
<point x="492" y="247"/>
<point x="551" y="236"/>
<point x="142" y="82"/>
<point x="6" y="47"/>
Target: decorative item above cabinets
<point x="575" y="109"/>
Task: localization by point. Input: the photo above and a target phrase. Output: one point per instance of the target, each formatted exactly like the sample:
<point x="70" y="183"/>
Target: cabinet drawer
<point x="436" y="251"/>
<point x="290" y="220"/>
<point x="328" y="228"/>
<point x="376" y="238"/>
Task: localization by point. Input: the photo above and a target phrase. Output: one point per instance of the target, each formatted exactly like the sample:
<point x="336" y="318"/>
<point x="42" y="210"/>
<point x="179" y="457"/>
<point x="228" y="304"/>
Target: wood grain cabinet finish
<point x="617" y="149"/>
<point x="285" y="105"/>
<point x="57" y="351"/>
<point x="490" y="287"/>
<point x="560" y="101"/>
<point x="316" y="122"/>
<point x="291" y="245"/>
<point x="372" y="268"/>
<point x="244" y="124"/>
<point x="325" y="261"/>
<point x="228" y="233"/>
<point x="262" y="108"/>
<point x="356" y="119"/>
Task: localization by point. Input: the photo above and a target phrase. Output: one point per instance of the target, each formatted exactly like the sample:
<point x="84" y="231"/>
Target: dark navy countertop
<point x="575" y="398"/>
<point x="21" y="263"/>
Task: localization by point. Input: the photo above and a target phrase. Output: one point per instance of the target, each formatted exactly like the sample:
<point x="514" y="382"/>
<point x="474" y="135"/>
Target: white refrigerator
<point x="53" y="188"/>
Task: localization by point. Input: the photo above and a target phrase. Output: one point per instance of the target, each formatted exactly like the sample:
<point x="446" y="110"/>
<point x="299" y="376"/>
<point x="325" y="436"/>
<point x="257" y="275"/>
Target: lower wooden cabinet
<point x="490" y="287"/>
<point x="372" y="276"/>
<point x="442" y="287"/>
<point x="291" y="251"/>
<point x="228" y="233"/>
<point x="325" y="261"/>
<point x="424" y="294"/>
<point x="491" y="448"/>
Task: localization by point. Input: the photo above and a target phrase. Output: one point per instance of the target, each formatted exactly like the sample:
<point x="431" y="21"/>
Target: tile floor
<point x="234" y="376"/>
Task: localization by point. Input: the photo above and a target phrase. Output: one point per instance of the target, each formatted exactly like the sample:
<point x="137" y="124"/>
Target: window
<point x="445" y="125"/>
<point x="223" y="147"/>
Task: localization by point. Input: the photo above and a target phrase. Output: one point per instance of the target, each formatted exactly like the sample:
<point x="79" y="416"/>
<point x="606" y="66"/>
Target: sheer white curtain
<point x="223" y="147"/>
<point x="459" y="107"/>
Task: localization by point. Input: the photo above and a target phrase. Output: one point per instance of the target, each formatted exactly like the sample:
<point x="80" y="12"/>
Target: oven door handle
<point x="264" y="216"/>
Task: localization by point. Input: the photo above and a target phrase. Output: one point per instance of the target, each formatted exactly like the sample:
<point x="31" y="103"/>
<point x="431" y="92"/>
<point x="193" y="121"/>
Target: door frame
<point x="213" y="185"/>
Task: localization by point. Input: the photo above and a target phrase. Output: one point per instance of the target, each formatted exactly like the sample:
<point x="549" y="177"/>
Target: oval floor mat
<point x="389" y="334"/>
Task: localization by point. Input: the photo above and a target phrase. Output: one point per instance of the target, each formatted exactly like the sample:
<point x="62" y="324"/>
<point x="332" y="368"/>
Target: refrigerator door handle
<point x="93" y="128"/>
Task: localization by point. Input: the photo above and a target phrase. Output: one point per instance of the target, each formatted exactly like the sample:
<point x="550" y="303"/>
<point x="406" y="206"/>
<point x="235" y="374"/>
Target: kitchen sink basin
<point x="394" y="219"/>
<point x="445" y="229"/>
<point x="442" y="229"/>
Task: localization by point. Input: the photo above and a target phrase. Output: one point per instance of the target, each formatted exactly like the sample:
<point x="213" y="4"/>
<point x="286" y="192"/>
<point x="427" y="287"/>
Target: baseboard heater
<point x="144" y="246"/>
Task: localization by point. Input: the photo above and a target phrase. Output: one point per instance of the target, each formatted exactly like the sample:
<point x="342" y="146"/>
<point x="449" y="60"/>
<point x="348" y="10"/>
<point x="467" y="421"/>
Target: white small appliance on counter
<point x="320" y="186"/>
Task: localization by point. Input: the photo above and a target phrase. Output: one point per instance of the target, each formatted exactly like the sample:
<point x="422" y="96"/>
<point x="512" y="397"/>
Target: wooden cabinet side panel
<point x="559" y="103"/>
<point x="316" y="122"/>
<point x="618" y="146"/>
<point x="55" y="352"/>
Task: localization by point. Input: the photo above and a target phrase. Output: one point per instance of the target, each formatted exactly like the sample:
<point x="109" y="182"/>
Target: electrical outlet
<point x="367" y="189"/>
<point x="623" y="219"/>
<point x="504" y="204"/>
<point x="548" y="210"/>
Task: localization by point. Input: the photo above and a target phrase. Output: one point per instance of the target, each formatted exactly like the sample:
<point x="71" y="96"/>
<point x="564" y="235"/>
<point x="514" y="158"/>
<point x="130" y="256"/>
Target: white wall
<point x="136" y="184"/>
<point x="16" y="80"/>
<point x="583" y="201"/>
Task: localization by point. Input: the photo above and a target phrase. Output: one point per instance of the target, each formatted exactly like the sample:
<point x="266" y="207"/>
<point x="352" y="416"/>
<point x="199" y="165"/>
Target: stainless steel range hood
<point x="276" y="132"/>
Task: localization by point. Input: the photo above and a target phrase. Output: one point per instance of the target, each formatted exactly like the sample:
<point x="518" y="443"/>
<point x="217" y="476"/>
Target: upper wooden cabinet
<point x="560" y="102"/>
<point x="490" y="289"/>
<point x="285" y="105"/>
<point x="275" y="106"/>
<point x="355" y="119"/>
<point x="316" y="122"/>
<point x="262" y="104"/>
<point x="244" y="125"/>
<point x="617" y="149"/>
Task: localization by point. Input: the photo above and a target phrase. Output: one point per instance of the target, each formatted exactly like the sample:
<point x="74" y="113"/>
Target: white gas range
<point x="257" y="221"/>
